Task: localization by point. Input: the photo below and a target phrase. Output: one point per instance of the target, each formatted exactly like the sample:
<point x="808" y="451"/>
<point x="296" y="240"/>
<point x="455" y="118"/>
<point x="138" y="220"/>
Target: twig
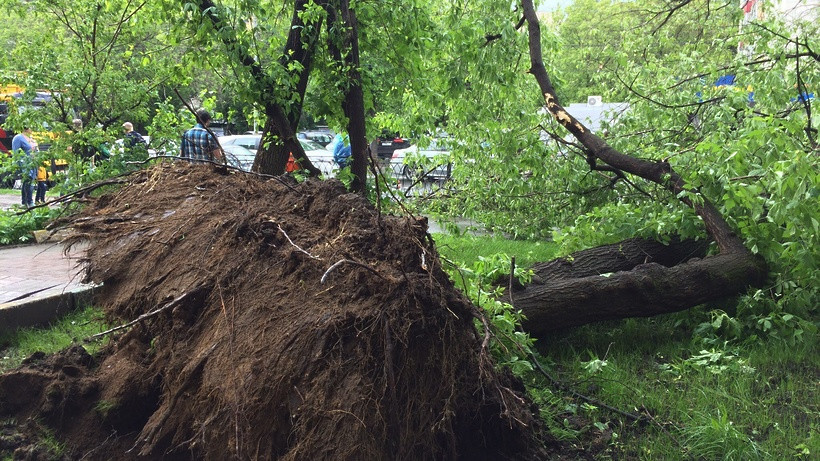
<point x="372" y="163"/>
<point x="554" y="381"/>
<point x="291" y="241"/>
<point x="349" y="261"/>
<point x="78" y="192"/>
<point x="592" y="400"/>
<point x="389" y="190"/>
<point x="30" y="293"/>
<point x="142" y="317"/>
<point x="649" y="416"/>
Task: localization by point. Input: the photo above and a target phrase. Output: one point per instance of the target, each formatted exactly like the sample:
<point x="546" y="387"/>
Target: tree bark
<point x="353" y="105"/>
<point x="634" y="278"/>
<point x="621" y="256"/>
<point x="647" y="289"/>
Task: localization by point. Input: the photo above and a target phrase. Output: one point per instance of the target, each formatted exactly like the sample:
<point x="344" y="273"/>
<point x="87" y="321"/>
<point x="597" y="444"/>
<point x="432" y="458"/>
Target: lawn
<point x="699" y="396"/>
<point x="71" y="329"/>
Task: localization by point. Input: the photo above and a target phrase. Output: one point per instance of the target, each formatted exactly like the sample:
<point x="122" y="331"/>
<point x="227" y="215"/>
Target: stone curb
<point x="42" y="310"/>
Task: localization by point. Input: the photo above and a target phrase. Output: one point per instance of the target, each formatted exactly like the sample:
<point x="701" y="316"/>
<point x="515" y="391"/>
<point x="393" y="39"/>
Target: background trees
<point x="105" y="60"/>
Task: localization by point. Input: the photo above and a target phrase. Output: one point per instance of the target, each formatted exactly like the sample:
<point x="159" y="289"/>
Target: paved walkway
<point x="38" y="282"/>
<point x="37" y="270"/>
<point x="7" y="200"/>
<point x="10" y="200"/>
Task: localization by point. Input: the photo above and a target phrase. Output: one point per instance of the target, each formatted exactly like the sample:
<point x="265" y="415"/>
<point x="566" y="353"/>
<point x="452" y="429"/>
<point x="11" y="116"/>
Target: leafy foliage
<point x="17" y="228"/>
<point x="750" y="146"/>
<point x="103" y="61"/>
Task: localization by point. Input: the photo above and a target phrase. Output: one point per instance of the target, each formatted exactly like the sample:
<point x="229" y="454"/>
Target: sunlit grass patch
<point x="71" y="329"/>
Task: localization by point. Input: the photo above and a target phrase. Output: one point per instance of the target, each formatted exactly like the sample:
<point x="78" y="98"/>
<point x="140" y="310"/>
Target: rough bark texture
<point x="281" y="121"/>
<point x="621" y="256"/>
<point x="632" y="279"/>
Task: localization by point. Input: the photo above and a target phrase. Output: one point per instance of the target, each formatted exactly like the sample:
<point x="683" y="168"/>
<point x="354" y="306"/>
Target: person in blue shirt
<point x="341" y="150"/>
<point x="23" y="142"/>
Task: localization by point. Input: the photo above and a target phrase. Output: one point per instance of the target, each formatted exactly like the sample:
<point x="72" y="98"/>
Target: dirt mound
<point x="288" y="321"/>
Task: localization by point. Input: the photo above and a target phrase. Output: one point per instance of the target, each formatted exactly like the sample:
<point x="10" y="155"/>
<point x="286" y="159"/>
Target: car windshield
<point x="310" y="145"/>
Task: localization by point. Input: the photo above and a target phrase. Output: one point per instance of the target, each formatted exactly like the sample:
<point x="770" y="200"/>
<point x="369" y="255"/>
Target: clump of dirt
<point x="282" y="321"/>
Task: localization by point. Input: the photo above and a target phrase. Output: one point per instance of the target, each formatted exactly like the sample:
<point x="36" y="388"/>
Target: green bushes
<point x="16" y="228"/>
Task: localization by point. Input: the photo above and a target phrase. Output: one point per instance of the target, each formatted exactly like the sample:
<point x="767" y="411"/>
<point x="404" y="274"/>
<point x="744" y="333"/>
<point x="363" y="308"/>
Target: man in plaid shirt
<point x="198" y="144"/>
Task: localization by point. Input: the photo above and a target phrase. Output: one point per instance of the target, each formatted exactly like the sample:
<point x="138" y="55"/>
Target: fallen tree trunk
<point x="621" y="256"/>
<point x="563" y="295"/>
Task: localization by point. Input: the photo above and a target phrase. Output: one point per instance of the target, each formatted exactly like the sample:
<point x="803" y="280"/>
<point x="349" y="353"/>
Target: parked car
<point x="433" y="161"/>
<point x="387" y="143"/>
<point x="320" y="135"/>
<point x="318" y="155"/>
<point x="238" y="156"/>
<point x="248" y="141"/>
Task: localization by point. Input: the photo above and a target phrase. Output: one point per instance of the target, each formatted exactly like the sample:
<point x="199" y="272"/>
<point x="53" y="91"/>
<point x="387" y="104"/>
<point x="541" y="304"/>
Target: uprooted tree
<point x="306" y="327"/>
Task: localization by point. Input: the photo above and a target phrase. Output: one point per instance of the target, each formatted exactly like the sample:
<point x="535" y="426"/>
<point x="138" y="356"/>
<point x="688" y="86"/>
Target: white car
<point x="318" y="155"/>
<point x="433" y="161"/>
<point x="238" y="156"/>
<point x="248" y="141"/>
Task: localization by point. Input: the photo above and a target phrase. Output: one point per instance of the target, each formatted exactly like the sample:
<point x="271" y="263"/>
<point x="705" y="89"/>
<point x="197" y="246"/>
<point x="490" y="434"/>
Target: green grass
<point x="466" y="250"/>
<point x="17" y="228"/>
<point x="71" y="329"/>
<point x="718" y="401"/>
<point x="759" y="401"/>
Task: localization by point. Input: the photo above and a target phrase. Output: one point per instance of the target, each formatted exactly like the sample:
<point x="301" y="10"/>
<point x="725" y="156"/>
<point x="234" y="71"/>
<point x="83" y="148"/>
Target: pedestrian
<point x="341" y="150"/>
<point x="80" y="145"/>
<point x="42" y="185"/>
<point x="23" y="142"/>
<point x="132" y="138"/>
<point x="198" y="145"/>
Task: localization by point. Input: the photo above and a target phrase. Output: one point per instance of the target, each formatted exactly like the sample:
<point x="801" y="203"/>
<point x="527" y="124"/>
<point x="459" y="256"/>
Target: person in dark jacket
<point x="132" y="138"/>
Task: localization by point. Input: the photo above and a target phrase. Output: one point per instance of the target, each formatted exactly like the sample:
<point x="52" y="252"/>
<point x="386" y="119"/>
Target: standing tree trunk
<point x="353" y="104"/>
<point x="279" y="134"/>
<point x="648" y="289"/>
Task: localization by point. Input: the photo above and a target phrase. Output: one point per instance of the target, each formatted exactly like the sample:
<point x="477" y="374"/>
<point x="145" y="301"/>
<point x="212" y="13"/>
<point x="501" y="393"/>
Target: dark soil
<point x="264" y="347"/>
